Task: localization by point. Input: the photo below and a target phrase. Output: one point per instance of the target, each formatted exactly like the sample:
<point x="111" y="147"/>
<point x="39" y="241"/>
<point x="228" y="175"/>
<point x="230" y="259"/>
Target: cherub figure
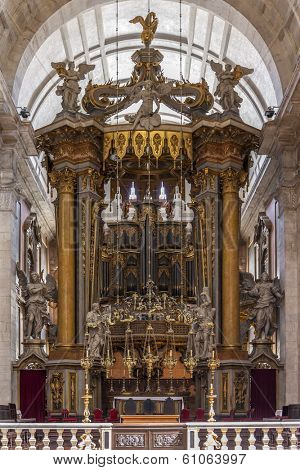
<point x="149" y="25"/>
<point x="228" y="79"/>
<point x="36" y="294"/>
<point x="70" y="89"/>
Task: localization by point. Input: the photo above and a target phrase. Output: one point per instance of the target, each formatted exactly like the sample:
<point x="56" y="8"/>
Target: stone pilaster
<point x="289" y="269"/>
<point x="280" y="140"/>
<point x="8" y="310"/>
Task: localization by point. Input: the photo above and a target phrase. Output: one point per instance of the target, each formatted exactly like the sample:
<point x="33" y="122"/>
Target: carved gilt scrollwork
<point x="63" y="180"/>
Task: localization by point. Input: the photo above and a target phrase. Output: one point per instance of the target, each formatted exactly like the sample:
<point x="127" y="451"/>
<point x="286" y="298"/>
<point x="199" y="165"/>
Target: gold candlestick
<point x="213" y="363"/>
<point x="149" y="359"/>
<point x="190" y="363"/>
<point x="170" y="362"/>
<point x="137" y="382"/>
<point x="158" y="382"/>
<point x="129" y="362"/>
<point x="86" y="364"/>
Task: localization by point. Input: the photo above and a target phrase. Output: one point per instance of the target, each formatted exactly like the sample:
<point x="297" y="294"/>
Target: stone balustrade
<point x="261" y="435"/>
<point x="266" y="435"/>
<point x="55" y="436"/>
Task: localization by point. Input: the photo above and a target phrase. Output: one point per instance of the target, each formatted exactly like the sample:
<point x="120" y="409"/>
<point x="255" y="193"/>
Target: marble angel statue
<point x="149" y="25"/>
<point x="228" y="78"/>
<point x="70" y="89"/>
<point x="268" y="294"/>
<point x="149" y="93"/>
<point x="36" y="293"/>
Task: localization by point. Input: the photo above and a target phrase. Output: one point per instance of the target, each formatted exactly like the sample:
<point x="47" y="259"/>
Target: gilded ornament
<point x="147" y="84"/>
<point x="139" y="143"/>
<point x="157" y="143"/>
<point x="63" y="180"/>
<point x="57" y="390"/>
<point x="149" y="25"/>
<point x="230" y="179"/>
<point x="107" y="144"/>
<point x="121" y="143"/>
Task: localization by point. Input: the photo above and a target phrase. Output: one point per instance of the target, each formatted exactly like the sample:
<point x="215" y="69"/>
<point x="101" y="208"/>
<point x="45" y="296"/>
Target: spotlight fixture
<point x="270" y="111"/>
<point x="24" y="112"/>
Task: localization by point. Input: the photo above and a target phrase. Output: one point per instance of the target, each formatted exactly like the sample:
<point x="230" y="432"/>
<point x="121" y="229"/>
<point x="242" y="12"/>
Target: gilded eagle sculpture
<point x="149" y="25"/>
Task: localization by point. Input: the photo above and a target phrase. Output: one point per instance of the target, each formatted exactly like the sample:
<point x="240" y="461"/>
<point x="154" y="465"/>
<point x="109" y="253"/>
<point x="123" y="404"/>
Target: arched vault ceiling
<point x="263" y="34"/>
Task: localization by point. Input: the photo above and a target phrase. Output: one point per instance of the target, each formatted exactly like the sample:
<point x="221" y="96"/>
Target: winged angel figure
<point x="70" y="89"/>
<point x="149" y="93"/>
<point x="228" y="79"/>
<point x="36" y="294"/>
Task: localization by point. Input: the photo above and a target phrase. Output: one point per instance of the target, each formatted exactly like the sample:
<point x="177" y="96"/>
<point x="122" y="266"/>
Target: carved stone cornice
<point x="72" y="145"/>
<point x="232" y="180"/>
<point x="63" y="180"/>
<point x="223" y="146"/>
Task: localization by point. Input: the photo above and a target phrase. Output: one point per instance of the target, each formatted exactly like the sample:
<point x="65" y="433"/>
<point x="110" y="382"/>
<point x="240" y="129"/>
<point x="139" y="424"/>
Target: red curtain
<point x="32" y="394"/>
<point x="263" y="392"/>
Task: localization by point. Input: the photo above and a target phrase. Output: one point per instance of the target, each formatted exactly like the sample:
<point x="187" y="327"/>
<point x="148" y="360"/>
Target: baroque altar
<point x="148" y="218"/>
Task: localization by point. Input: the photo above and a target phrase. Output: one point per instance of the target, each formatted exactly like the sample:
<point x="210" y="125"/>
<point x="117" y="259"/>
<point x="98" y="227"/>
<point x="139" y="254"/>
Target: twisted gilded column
<point x="64" y="181"/>
<point x="230" y="180"/>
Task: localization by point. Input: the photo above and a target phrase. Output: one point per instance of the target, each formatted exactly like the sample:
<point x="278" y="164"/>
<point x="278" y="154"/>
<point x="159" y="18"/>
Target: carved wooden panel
<point x="147" y="437"/>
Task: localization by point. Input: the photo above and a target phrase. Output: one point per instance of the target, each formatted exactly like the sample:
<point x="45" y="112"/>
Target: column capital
<point x="63" y="180"/>
<point x="224" y="144"/>
<point x="77" y="144"/>
<point x="232" y="180"/>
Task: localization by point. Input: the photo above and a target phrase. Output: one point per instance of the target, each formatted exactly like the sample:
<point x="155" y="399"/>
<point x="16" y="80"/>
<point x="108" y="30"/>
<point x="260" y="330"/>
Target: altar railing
<point x="55" y="436"/>
<point x="267" y="435"/>
<point x="260" y="435"/>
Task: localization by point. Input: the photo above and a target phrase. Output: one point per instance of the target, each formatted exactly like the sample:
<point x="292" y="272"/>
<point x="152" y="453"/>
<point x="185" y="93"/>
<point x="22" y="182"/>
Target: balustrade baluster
<point x="238" y="439"/>
<point x="265" y="439"/>
<point x="60" y="440"/>
<point x="279" y="439"/>
<point x="252" y="439"/>
<point x="88" y="439"/>
<point x="32" y="440"/>
<point x="74" y="440"/>
<point x="294" y="439"/>
<point x="224" y="439"/>
<point x="18" y="439"/>
<point x="46" y="440"/>
<point x="4" y="439"/>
